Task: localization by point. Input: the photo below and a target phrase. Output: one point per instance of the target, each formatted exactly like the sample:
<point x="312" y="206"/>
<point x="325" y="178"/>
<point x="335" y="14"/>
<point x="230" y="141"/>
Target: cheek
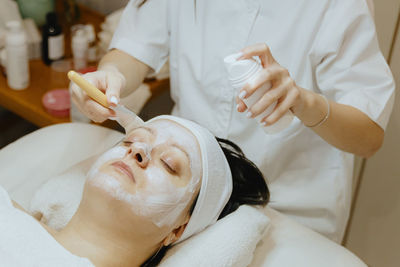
<point x="117" y="152"/>
<point x="102" y="177"/>
<point x="159" y="182"/>
<point x="163" y="199"/>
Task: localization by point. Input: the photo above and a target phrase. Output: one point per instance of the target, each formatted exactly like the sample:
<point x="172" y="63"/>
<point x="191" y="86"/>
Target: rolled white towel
<point x="231" y="241"/>
<point x="57" y="200"/>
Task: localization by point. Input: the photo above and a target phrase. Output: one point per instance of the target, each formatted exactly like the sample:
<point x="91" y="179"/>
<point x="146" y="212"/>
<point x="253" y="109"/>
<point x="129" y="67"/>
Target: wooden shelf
<point x="28" y="103"/>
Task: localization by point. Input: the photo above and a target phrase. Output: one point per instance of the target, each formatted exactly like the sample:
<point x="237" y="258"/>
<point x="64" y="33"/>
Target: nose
<point x="139" y="155"/>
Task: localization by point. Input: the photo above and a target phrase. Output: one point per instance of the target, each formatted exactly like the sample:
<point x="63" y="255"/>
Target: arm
<point x="138" y="44"/>
<point x="133" y="70"/>
<point x="346" y="128"/>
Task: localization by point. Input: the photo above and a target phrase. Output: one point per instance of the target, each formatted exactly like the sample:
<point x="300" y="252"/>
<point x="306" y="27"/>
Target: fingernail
<point x="242" y="94"/>
<point x="248" y="114"/>
<point x="237" y="107"/>
<point x="239" y="55"/>
<point x="114" y="100"/>
<point x="264" y="123"/>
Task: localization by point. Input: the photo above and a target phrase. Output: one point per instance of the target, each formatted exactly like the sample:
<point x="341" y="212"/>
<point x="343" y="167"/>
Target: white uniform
<point x="329" y="47"/>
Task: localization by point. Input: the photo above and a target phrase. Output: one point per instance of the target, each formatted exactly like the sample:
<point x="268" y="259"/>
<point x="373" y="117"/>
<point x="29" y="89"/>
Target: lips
<point x="122" y="167"/>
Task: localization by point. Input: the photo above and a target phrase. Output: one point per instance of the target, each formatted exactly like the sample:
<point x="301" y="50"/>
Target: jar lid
<point x="57" y="102"/>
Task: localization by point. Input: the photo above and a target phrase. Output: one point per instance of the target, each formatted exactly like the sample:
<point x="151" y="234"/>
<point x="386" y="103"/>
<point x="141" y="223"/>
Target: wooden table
<point x="28" y="103"/>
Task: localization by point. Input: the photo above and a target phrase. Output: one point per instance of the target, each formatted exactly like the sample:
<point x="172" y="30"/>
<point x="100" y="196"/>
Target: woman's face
<point x="152" y="176"/>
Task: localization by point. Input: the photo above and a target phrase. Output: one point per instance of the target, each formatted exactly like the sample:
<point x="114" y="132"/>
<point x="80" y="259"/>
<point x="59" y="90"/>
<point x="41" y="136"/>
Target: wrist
<point x="313" y="108"/>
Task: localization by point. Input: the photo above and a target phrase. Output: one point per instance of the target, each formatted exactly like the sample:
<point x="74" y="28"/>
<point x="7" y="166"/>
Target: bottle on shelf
<point x="80" y="45"/>
<point x="17" y="59"/>
<point x="53" y="40"/>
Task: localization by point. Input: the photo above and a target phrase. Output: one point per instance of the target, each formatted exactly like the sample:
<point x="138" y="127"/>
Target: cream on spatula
<point x="126" y="118"/>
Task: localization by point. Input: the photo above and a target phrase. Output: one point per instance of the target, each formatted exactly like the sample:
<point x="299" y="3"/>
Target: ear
<point x="176" y="233"/>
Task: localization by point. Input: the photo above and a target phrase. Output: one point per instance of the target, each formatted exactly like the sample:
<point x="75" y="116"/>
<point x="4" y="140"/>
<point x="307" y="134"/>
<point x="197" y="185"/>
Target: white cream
<point x="162" y="205"/>
<point x="144" y="147"/>
<point x="166" y="131"/>
<point x="159" y="199"/>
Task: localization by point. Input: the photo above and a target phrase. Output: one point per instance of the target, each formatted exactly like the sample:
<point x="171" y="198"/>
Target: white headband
<point x="216" y="182"/>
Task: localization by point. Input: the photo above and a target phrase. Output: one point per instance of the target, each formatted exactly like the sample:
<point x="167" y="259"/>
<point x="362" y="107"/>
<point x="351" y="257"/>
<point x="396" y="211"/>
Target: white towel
<point x="24" y="242"/>
<point x="229" y="242"/>
<point x="57" y="200"/>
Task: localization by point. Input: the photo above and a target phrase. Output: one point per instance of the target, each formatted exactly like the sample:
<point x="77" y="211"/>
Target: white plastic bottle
<point x="80" y="45"/>
<point x="245" y="71"/>
<point x="17" y="64"/>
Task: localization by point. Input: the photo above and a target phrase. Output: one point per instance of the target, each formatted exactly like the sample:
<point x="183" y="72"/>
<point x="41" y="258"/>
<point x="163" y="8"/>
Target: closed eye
<point x="168" y="167"/>
<point x="127" y="143"/>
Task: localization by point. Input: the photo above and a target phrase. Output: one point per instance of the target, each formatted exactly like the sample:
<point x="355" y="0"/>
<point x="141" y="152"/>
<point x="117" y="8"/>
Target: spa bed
<point x="31" y="161"/>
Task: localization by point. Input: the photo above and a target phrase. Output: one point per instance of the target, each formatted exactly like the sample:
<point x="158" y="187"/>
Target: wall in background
<point x="386" y="14"/>
<point x="374" y="230"/>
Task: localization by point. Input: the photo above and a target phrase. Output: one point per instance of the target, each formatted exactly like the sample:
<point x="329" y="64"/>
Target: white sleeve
<point x="351" y="69"/>
<point x="143" y="32"/>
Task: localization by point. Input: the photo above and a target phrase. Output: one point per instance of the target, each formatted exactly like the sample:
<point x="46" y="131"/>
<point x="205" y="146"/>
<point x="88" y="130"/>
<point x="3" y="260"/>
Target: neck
<point x="101" y="244"/>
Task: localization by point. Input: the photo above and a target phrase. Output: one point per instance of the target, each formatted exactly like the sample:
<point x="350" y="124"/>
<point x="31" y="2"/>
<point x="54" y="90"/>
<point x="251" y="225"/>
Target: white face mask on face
<point x="157" y="198"/>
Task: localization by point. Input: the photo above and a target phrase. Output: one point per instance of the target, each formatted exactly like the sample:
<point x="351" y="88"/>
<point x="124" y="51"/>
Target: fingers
<point x="266" y="76"/>
<point x="281" y="109"/>
<point x="261" y="50"/>
<point x="89" y="107"/>
<point x="276" y="91"/>
<point x="267" y="100"/>
<point x="96" y="78"/>
<point x="92" y="109"/>
<point x="109" y="82"/>
<point x="240" y="105"/>
<point x="114" y="85"/>
<point x="97" y="112"/>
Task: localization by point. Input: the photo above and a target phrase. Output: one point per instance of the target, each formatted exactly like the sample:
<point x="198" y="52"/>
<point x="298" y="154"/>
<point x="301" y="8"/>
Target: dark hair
<point x="249" y="187"/>
<point x="141" y="3"/>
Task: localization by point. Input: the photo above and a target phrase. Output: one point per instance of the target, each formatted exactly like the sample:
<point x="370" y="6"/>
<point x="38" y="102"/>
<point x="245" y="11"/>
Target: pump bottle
<point x="241" y="72"/>
<point x="17" y="60"/>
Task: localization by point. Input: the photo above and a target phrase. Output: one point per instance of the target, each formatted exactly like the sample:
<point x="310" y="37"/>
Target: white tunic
<point x="329" y="47"/>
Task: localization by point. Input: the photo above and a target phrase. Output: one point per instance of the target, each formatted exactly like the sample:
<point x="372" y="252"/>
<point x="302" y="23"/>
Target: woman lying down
<point x="165" y="182"/>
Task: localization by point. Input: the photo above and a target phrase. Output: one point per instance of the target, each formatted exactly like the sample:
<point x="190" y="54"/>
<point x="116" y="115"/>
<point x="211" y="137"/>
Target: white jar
<point x="17" y="59"/>
<point x="241" y="72"/>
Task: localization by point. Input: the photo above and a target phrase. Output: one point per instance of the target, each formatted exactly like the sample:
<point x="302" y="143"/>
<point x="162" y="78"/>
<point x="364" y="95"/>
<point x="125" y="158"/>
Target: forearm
<point x="346" y="128"/>
<point x="132" y="69"/>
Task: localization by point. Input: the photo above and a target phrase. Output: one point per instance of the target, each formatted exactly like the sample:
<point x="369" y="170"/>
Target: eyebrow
<point x="146" y="128"/>
<point x="153" y="132"/>
<point x="181" y="149"/>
